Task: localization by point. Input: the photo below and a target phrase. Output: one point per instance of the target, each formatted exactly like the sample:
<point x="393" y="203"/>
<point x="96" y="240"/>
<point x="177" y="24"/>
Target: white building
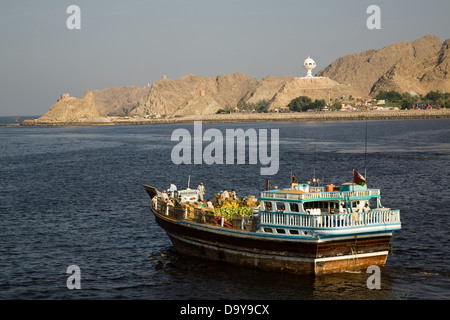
<point x="309" y="64"/>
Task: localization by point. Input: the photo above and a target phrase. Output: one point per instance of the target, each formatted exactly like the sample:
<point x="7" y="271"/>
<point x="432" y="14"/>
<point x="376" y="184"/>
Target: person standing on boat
<point x="221" y="198"/>
<point x="341" y="208"/>
<point x="366" y="208"/>
<point x="233" y="194"/>
<point x="360" y="206"/>
<point x="294" y="183"/>
<point x="201" y="191"/>
<point x="172" y="189"/>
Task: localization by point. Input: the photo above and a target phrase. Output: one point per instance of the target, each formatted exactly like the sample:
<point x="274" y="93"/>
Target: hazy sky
<point x="136" y="42"/>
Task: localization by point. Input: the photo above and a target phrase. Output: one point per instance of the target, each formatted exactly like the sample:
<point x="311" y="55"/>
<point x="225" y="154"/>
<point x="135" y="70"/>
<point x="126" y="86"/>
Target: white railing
<point x="381" y="216"/>
<point x="320" y="195"/>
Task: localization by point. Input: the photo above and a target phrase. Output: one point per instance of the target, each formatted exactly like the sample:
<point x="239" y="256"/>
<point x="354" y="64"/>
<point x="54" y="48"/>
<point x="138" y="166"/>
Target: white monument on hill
<point x="309" y="64"/>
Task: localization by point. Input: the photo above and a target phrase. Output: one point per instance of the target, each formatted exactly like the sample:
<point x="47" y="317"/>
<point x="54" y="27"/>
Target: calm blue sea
<point x="73" y="196"/>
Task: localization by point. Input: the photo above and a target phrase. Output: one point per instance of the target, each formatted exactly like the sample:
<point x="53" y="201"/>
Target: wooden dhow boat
<point x="306" y="230"/>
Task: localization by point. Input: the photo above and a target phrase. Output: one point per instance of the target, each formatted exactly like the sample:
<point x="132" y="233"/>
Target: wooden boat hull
<point x="266" y="252"/>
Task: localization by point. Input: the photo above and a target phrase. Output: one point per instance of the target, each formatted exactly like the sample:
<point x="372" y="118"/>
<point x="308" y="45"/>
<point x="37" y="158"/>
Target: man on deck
<point x="294" y="183"/>
<point x="201" y="191"/>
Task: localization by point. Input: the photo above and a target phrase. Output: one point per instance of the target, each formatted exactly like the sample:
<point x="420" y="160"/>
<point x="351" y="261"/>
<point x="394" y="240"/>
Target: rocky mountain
<point x="196" y="95"/>
<point x="192" y="94"/>
<point x="420" y="66"/>
<point x="71" y="109"/>
<point x="314" y="88"/>
<point x="119" y="100"/>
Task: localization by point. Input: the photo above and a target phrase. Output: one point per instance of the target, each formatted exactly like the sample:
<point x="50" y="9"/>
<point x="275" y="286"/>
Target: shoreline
<point x="261" y="117"/>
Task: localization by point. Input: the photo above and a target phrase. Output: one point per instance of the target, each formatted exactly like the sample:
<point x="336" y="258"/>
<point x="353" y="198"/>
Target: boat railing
<point x="203" y="216"/>
<point x="374" y="217"/>
<point x="282" y="219"/>
<point x="338" y="195"/>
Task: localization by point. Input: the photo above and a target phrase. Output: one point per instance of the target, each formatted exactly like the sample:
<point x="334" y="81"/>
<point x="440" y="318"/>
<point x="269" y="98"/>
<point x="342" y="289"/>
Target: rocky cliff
<point x="420" y="66"/>
<point x="315" y="88"/>
<point x="192" y="94"/>
<point x="69" y="109"/>
<point x="195" y="95"/>
<point x="119" y="100"/>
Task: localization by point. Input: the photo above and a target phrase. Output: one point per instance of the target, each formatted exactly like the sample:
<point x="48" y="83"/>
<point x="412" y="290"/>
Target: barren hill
<point x="195" y="95"/>
<point x="192" y="94"/>
<point x="420" y="66"/>
<point x="315" y="88"/>
<point x="71" y="109"/>
<point x="119" y="100"/>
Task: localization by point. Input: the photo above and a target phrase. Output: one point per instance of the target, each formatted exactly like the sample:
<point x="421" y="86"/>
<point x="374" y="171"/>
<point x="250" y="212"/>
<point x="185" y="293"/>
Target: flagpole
<point x="365" y="152"/>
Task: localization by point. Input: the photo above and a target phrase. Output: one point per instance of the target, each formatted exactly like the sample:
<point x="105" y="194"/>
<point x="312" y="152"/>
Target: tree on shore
<point x="304" y="103"/>
<point x="408" y="101"/>
<point x="389" y="95"/>
<point x="260" y="106"/>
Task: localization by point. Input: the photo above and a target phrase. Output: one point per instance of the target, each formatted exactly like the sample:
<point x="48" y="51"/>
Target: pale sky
<point x="136" y="42"/>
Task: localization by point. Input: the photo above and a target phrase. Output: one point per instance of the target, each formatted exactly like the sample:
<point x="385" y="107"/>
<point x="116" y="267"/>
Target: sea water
<point x="73" y="196"/>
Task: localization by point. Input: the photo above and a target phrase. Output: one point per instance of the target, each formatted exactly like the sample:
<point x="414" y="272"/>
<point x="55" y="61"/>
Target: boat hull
<point x="250" y="249"/>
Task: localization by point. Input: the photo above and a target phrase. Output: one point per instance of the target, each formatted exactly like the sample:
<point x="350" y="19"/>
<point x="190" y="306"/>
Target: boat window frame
<point x="278" y="208"/>
<point x="266" y="206"/>
<point x="294" y="204"/>
<point x="325" y="205"/>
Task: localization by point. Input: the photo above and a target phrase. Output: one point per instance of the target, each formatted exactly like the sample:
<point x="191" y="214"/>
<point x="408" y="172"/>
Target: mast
<point x="365" y="152"/>
<point x="314" y="171"/>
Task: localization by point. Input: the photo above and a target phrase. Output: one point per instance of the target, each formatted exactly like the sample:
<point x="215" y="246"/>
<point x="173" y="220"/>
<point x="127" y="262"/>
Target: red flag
<point x="358" y="178"/>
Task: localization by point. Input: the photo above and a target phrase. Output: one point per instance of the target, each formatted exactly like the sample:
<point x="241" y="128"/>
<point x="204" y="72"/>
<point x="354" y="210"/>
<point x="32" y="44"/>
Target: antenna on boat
<point x="189" y="181"/>
<point x="365" y="152"/>
<point x="323" y="176"/>
<point x="314" y="170"/>
<point x="290" y="179"/>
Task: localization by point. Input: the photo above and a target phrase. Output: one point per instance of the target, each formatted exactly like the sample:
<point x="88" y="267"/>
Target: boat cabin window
<point x="281" y="207"/>
<point x="293" y="231"/>
<point x="372" y="203"/>
<point x="315" y="205"/>
<point x="294" y="207"/>
<point x="268" y="230"/>
<point x="282" y="231"/>
<point x="268" y="205"/>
